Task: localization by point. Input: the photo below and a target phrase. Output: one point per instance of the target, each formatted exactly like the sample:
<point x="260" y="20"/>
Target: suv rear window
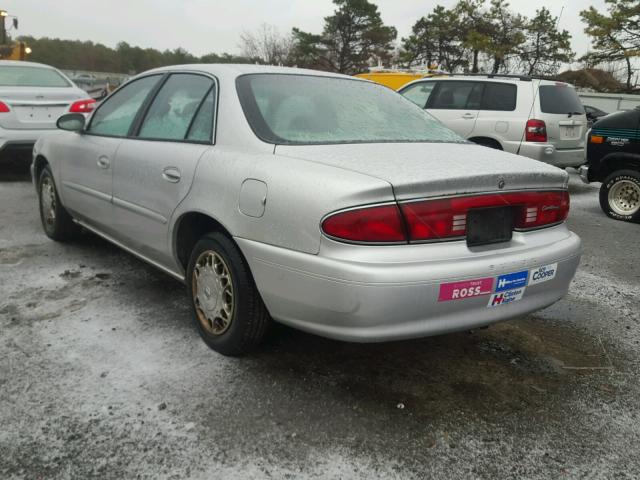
<point x="560" y="99"/>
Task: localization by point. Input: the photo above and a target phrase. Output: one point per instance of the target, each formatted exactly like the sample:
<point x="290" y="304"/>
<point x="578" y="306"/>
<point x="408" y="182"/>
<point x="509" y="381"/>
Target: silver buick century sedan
<point x="328" y="203"/>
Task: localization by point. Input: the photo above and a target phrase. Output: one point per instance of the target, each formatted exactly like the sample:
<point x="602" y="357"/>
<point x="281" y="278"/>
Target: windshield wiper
<point x="571" y="114"/>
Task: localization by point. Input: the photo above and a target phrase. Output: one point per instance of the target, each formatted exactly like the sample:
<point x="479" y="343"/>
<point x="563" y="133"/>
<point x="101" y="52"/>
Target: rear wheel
<point x="620" y="195"/>
<point x="56" y="221"/>
<point x="227" y="308"/>
<point x="487" y="142"/>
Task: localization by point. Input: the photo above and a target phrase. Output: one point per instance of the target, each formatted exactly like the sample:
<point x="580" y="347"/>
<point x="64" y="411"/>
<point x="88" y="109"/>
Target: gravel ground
<point x="102" y="375"/>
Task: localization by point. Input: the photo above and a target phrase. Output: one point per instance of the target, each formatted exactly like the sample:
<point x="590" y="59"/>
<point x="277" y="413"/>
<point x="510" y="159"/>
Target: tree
<point x="475" y="28"/>
<point x="616" y="36"/>
<point x="77" y="55"/>
<point x="267" y="44"/>
<point x="436" y="39"/>
<point x="505" y="35"/>
<point x="545" y="47"/>
<point x="352" y="37"/>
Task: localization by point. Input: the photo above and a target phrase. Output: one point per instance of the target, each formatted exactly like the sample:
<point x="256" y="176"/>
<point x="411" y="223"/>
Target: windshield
<point x="560" y="99"/>
<point x="20" y="76"/>
<point x="304" y="109"/>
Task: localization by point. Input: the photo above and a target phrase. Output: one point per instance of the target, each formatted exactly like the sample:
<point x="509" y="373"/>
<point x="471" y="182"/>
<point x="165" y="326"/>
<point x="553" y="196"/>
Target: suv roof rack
<point x="525" y="78"/>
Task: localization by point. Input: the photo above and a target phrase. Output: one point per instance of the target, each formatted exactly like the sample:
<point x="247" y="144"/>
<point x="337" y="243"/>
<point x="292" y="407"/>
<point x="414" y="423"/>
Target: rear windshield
<point x="559" y="99"/>
<point x="19" y="76"/>
<point x="305" y="109"/>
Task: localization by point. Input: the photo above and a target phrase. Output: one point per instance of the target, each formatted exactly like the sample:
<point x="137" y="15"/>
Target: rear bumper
<point x="19" y="142"/>
<point x="548" y="153"/>
<point x="368" y="298"/>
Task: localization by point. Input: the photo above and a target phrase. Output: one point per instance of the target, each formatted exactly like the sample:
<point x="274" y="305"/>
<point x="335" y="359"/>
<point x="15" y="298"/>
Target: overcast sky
<point x="203" y="26"/>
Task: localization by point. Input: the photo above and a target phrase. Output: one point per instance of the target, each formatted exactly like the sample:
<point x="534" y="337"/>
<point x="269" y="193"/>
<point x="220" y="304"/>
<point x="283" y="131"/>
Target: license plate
<point x="570" y="132"/>
<point x="489" y="225"/>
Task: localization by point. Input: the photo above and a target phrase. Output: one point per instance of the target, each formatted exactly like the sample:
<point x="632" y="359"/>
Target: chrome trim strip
<point x="479" y="194"/>
<point x="88" y="191"/>
<point x="39" y="104"/>
<point x="145" y="212"/>
<point x="166" y="270"/>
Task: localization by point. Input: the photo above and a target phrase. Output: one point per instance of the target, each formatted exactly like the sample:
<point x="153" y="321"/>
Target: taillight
<point x="535" y="131"/>
<point x="83" y="106"/>
<point x="446" y="218"/>
<point x="443" y="218"/>
<point x="379" y="224"/>
<point x="4" y="108"/>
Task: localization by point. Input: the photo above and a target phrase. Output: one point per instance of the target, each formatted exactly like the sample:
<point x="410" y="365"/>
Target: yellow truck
<point x="395" y="79"/>
<point x="17" y="51"/>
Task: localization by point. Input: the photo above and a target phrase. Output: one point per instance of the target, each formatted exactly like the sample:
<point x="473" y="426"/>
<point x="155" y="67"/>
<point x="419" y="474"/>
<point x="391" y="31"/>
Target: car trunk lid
<point x="418" y="170"/>
<point x="31" y="108"/>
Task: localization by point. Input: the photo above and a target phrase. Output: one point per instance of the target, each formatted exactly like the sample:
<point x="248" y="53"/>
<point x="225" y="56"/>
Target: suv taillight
<point x="4" y="108"/>
<point x="83" y="106"/>
<point x="535" y="131"/>
<point x="443" y="218"/>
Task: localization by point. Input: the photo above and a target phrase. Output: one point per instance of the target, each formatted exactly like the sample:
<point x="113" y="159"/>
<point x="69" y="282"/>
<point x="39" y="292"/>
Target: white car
<point x="324" y="202"/>
<point x="540" y="119"/>
<point x="32" y="98"/>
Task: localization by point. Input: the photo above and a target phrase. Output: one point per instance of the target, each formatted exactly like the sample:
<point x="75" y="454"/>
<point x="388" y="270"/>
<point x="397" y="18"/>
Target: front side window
<point x="419" y="93"/>
<point x="19" y="76"/>
<point x="457" y="96"/>
<point x="305" y="109"/>
<point x="115" y="116"/>
<point x="173" y="109"/>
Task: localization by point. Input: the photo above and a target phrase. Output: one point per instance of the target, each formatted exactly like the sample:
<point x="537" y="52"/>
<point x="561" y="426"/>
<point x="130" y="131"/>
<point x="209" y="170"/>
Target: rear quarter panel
<point x="299" y="194"/>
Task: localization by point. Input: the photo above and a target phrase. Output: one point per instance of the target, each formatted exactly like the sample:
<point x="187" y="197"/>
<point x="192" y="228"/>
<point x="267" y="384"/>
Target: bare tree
<point x="267" y="44"/>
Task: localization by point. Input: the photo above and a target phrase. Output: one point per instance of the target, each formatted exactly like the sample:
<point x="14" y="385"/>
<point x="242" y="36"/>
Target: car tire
<point x="57" y="223"/>
<point x="620" y="195"/>
<point x="488" y="142"/>
<point x="227" y="308"/>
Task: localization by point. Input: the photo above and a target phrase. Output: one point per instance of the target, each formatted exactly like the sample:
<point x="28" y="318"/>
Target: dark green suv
<point x="613" y="158"/>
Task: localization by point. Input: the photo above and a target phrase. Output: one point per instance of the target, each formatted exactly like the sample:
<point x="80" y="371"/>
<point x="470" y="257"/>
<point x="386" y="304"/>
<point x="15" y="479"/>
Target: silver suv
<point x="540" y="119"/>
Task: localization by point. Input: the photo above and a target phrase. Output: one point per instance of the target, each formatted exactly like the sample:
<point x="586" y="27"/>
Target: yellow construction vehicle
<point x="396" y="78"/>
<point x="15" y="51"/>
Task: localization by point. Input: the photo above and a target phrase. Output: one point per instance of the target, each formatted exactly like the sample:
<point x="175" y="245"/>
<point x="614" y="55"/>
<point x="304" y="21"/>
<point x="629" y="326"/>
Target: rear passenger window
<point x="172" y="111"/>
<point x="419" y="93"/>
<point x="202" y="127"/>
<point x="456" y="96"/>
<point x="499" y="96"/>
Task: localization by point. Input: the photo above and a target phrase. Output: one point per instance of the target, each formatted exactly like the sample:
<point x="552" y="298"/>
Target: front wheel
<point x="227" y="308"/>
<point x="620" y="195"/>
<point x="56" y="221"/>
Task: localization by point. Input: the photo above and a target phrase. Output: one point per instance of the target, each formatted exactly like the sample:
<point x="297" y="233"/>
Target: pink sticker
<point x="465" y="289"/>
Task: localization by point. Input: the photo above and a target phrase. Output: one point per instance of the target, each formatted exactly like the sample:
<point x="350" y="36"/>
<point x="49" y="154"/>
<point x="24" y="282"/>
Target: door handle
<point x="468" y="116"/>
<point x="171" y="174"/>
<point x="103" y="162"/>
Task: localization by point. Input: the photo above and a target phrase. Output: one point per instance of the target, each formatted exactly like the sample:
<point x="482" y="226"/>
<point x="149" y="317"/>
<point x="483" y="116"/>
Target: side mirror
<point x="73" y="122"/>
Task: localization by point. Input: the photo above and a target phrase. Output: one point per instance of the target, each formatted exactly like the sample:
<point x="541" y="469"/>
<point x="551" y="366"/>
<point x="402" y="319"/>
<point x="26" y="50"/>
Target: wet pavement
<point x="102" y="375"/>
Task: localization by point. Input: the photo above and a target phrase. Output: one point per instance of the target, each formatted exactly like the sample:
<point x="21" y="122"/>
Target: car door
<point x="456" y="104"/>
<point x="154" y="168"/>
<point x="498" y="117"/>
<point x="86" y="157"/>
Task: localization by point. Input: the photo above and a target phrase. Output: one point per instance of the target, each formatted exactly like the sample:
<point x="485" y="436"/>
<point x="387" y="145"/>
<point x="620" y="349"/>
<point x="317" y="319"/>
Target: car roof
<point x="238" y="69"/>
<point x="21" y="63"/>
<point x="489" y="77"/>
